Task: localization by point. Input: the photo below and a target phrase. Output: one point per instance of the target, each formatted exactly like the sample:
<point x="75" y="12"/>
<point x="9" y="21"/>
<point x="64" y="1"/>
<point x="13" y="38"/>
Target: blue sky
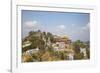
<point x="74" y="25"/>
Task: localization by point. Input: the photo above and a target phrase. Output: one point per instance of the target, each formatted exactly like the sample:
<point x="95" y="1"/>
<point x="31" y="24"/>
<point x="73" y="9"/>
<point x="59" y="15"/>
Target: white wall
<point x="89" y="2"/>
<point x="5" y="34"/>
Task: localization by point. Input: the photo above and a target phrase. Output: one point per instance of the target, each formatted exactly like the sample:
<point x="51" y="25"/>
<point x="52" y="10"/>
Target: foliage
<point x="46" y="52"/>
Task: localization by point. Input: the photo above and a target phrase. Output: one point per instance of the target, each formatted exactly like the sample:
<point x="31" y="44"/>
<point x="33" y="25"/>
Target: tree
<point x="76" y="47"/>
<point x="50" y="36"/>
<point x="30" y="33"/>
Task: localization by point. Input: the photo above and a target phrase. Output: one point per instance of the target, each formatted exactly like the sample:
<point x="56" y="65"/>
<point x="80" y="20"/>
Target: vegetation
<point x="45" y="52"/>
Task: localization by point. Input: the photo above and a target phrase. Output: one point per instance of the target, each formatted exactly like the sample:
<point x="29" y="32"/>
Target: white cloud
<point x="73" y="25"/>
<point x="83" y="33"/>
<point x="32" y="24"/>
<point x="61" y="27"/>
<point x="79" y="32"/>
<point x="86" y="27"/>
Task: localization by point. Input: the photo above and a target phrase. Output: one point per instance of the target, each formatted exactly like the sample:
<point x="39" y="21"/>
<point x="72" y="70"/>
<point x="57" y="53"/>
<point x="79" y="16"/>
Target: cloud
<point x="32" y="24"/>
<point x="73" y="25"/>
<point x="86" y="27"/>
<point x="79" y="32"/>
<point x="61" y="27"/>
<point x="83" y="33"/>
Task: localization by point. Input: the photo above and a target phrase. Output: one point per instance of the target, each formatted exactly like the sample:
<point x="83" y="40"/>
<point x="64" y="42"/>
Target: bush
<point x="78" y="56"/>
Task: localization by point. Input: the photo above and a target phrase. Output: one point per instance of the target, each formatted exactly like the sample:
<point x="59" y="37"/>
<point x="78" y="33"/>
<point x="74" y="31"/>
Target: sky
<point x="72" y="24"/>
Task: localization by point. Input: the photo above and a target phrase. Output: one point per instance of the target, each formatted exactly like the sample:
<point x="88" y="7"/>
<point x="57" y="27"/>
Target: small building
<point x="71" y="56"/>
<point x="83" y="50"/>
<point x="64" y="39"/>
<point x="61" y="43"/>
<point x="25" y="44"/>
